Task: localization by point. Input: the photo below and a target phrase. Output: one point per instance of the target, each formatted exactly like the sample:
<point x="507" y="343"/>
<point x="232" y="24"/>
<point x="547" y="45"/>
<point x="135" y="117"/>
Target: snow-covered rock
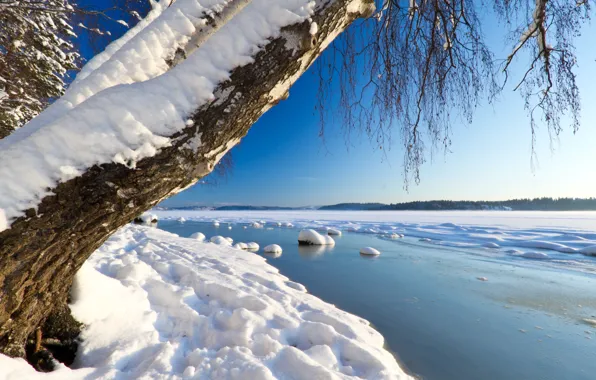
<point x="220" y="240"/>
<point x="230" y="240"/>
<point x="240" y="246"/>
<point x="252" y="246"/>
<point x="272" y="248"/>
<point x="147" y="218"/>
<point x="181" y="219"/>
<point x="157" y="306"/>
<point x="312" y="237"/>
<point x="333" y="232"/>
<point x="256" y="225"/>
<point x="215" y="223"/>
<point x="394" y="236"/>
<point x="369" y="251"/>
<point x="198" y="236"/>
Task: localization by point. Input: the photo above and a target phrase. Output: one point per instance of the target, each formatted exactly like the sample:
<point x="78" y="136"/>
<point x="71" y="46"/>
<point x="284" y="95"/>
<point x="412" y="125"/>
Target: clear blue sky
<point x="283" y="162"/>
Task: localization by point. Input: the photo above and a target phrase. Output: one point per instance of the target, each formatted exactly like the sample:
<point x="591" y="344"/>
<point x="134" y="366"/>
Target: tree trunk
<point x="42" y="251"/>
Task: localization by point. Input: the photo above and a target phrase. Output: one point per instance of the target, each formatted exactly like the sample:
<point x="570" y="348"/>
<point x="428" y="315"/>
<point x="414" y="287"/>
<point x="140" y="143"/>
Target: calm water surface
<point x="525" y="322"/>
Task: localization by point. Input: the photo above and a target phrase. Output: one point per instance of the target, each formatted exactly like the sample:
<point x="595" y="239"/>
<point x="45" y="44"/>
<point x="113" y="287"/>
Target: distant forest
<point x="536" y="204"/>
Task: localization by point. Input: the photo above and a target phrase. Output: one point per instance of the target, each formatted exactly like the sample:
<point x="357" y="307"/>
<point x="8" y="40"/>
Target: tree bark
<point x="42" y="251"/>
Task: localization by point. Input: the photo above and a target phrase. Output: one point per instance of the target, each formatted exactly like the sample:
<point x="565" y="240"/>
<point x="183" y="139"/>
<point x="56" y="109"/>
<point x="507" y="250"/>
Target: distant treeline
<point x="536" y="204"/>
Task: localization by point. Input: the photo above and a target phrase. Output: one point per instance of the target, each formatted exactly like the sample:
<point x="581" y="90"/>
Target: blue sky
<point x="282" y="161"/>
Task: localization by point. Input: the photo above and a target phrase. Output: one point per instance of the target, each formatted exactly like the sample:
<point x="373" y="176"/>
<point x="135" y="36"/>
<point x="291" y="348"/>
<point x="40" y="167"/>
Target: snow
<point x="253" y="246"/>
<point x="220" y="240"/>
<point x="145" y="218"/>
<point x="272" y="248"/>
<point x="369" y="251"/>
<point x="563" y="232"/>
<point x="334" y="232"/>
<point x="312" y="237"/>
<point x="198" y="236"/>
<point x="156" y="305"/>
<point x="240" y="246"/>
<point x="78" y="134"/>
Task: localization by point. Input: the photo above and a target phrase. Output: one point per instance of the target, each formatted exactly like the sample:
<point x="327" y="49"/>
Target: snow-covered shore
<point x="561" y="232"/>
<point x="156" y="305"/>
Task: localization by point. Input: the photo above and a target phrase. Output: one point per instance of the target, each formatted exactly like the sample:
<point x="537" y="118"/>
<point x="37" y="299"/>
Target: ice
<point x="198" y="236"/>
<point x="272" y="248"/>
<point x="155" y="305"/>
<point x="369" y="251"/>
<point x="312" y="237"/>
<point x="564" y="232"/>
<point x="534" y="255"/>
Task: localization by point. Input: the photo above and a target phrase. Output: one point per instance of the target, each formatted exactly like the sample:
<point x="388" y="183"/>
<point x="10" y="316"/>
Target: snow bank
<point x="369" y="251"/>
<point x="156" y="305"/>
<point x="312" y="237"/>
<point x="272" y="248"/>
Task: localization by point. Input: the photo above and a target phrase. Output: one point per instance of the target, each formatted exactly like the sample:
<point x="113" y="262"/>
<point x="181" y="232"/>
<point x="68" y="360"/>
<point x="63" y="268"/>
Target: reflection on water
<point x="310" y="252"/>
<point x="527" y="321"/>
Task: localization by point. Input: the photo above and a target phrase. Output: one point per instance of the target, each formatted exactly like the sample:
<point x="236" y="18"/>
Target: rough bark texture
<point x="41" y="252"/>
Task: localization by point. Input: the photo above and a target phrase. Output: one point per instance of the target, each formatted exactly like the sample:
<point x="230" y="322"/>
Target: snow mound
<point x="215" y="223"/>
<point x="240" y="246"/>
<point x="369" y="251"/>
<point x="145" y="218"/>
<point x="181" y="219"/>
<point x="256" y="225"/>
<point x="220" y="240"/>
<point x="534" y="255"/>
<point x="198" y="236"/>
<point x="333" y="232"/>
<point x="273" y="248"/>
<point x="253" y="246"/>
<point x="157" y="306"/>
<point x="287" y="225"/>
<point x="312" y="237"/>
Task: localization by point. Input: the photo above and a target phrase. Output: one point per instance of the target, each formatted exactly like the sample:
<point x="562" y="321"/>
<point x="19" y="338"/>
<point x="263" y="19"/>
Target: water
<point x="525" y="322"/>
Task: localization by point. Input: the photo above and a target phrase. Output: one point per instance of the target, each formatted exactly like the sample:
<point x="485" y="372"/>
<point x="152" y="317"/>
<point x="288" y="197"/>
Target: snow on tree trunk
<point x="60" y="209"/>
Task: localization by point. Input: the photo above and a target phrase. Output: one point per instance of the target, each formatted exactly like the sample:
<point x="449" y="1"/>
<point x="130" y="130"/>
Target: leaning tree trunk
<point x="41" y="251"/>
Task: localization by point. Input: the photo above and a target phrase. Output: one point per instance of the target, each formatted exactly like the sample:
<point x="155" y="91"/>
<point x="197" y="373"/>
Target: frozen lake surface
<point x="449" y="305"/>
